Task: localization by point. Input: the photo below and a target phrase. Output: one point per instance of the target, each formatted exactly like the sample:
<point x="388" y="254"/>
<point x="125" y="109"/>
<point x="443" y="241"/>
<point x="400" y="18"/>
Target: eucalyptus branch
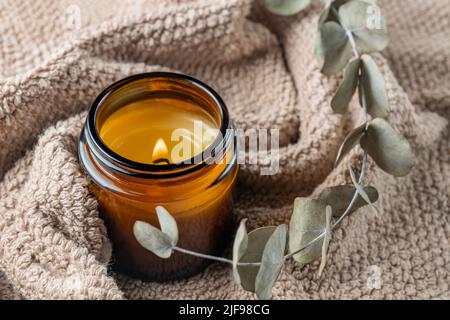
<point x="203" y="256"/>
<point x="257" y="269"/>
<point x="215" y="258"/>
<point x="356" y="53"/>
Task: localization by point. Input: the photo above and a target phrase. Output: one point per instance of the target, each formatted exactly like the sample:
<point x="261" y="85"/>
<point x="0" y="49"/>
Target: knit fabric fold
<point x="56" y="56"/>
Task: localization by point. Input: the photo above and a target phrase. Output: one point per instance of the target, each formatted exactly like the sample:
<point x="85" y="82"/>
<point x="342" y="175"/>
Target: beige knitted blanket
<point x="56" y="56"/>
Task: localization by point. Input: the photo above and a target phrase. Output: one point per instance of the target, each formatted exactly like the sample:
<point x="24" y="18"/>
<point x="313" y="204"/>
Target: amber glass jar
<point x="197" y="192"/>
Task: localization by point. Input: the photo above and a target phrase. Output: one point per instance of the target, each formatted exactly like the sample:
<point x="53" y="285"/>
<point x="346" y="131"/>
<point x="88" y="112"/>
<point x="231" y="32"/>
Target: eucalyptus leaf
<point x="350" y="142"/>
<point x="374" y="88"/>
<point x="307" y="222"/>
<point x="271" y="262"/>
<point x="326" y="239"/>
<point x="334" y="5"/>
<point x="168" y="224"/>
<point x="390" y="151"/>
<point x="257" y="240"/>
<point x="364" y="20"/>
<point x="347" y="89"/>
<point x="333" y="48"/>
<point x="153" y="239"/>
<point x="286" y="7"/>
<point x="239" y="248"/>
<point x="361" y="190"/>
<point x="339" y="198"/>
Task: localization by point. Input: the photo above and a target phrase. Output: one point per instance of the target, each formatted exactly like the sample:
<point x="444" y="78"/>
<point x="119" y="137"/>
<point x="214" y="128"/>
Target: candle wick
<point x="161" y="161"/>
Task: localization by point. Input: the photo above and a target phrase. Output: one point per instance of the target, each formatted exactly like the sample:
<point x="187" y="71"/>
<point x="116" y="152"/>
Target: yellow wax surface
<point x="159" y="131"/>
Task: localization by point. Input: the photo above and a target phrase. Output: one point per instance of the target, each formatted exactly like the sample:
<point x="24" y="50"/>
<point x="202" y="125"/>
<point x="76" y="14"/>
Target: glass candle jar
<point x="127" y="148"/>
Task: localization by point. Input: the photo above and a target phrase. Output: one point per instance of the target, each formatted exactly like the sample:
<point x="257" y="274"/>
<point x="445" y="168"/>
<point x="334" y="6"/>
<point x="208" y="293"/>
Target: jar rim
<point x="138" y="169"/>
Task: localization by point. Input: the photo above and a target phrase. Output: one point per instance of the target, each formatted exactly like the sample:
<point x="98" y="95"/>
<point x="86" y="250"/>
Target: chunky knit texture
<point x="52" y="242"/>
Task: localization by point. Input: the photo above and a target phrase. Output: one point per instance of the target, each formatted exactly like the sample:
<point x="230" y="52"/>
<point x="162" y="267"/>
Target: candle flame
<point x="160" y="150"/>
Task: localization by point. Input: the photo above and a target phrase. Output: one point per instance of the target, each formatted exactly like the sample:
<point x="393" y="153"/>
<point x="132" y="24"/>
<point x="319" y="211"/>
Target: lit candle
<point x="146" y="143"/>
<point x="160" y="153"/>
<point x="155" y="126"/>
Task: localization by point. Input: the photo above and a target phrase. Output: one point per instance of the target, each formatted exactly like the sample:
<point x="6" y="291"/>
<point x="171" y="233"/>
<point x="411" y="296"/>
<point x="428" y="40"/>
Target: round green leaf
<point x="153" y="239"/>
<point x="390" y="151"/>
<point x="257" y="240"/>
<point x="271" y="262"/>
<point x="339" y="198"/>
<point x="350" y="142"/>
<point x="239" y="248"/>
<point x="307" y="222"/>
<point x="374" y="88"/>
<point x="168" y="224"/>
<point x="333" y="49"/>
<point x="347" y="89"/>
<point x="334" y="5"/>
<point x="286" y="7"/>
<point x="364" y="20"/>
